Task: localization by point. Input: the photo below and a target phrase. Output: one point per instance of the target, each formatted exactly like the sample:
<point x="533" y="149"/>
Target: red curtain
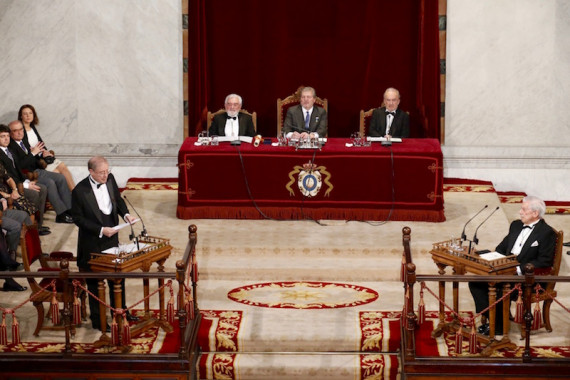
<point x="349" y="51"/>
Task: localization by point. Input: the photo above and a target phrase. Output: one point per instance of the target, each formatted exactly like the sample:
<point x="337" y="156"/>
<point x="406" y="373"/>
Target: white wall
<point x="508" y="84"/>
<point x="105" y="77"/>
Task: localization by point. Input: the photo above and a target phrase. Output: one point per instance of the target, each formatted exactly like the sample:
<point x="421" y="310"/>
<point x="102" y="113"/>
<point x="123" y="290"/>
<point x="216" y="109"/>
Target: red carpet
<point x="381" y="331"/>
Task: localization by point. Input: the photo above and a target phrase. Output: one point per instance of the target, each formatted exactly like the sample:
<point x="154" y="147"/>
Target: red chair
<point x="31" y="252"/>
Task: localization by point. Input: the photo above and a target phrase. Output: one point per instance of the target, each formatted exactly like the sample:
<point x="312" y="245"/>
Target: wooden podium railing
<point x="468" y="367"/>
<point x="177" y="365"/>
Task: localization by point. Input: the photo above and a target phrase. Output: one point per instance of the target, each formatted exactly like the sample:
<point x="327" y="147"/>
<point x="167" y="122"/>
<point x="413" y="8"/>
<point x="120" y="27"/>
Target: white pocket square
<point x="535" y="244"/>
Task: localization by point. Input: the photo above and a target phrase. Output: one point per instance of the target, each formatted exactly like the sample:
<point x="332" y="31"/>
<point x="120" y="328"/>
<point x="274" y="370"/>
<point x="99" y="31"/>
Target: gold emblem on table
<point x="309" y="179"/>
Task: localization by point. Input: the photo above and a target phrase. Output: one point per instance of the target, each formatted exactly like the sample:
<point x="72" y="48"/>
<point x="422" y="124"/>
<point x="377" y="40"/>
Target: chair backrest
<point x="222" y="110"/>
<point x="365" y="117"/>
<point x="30" y="245"/>
<point x="293" y="100"/>
<point x="557" y="258"/>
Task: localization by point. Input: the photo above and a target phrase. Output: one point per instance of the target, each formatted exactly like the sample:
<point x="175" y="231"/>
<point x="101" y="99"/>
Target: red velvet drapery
<point x="349" y="51"/>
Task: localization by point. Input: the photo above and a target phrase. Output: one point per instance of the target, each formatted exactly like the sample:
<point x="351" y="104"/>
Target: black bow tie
<point x="232" y="117"/>
<point x="96" y="183"/>
<point x="529" y="227"/>
<point x="393" y="113"/>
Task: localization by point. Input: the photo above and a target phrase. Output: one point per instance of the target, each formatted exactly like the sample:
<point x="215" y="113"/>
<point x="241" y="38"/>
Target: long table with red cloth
<point x="401" y="182"/>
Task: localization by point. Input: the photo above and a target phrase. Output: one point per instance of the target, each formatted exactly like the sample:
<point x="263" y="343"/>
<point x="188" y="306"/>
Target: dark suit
<point x="400" y="125"/>
<point x="218" y="126"/>
<point x="295" y="121"/>
<point x="90" y="220"/>
<point x="58" y="191"/>
<point x="38" y="198"/>
<point x="537" y="250"/>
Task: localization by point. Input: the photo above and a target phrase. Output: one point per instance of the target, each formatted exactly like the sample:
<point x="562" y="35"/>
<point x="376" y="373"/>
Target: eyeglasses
<point x="103" y="172"/>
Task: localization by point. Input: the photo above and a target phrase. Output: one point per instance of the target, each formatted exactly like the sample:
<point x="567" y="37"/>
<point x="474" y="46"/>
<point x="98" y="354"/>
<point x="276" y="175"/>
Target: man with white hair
<point x="232" y="122"/>
<point x="532" y="241"/>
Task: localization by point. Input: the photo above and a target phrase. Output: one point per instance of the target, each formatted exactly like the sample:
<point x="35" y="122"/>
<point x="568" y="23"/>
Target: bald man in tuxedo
<point x="96" y="207"/>
<point x="390" y="121"/>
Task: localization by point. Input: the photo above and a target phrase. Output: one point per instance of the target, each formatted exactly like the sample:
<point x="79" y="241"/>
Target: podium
<point x="128" y="259"/>
<point x="452" y="253"/>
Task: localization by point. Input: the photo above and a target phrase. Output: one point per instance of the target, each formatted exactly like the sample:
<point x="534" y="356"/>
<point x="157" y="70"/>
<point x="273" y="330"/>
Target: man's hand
<point x="33" y="186"/>
<point x="109" y="231"/>
<point x="130" y="219"/>
<point x="15" y="194"/>
<point x="296" y="136"/>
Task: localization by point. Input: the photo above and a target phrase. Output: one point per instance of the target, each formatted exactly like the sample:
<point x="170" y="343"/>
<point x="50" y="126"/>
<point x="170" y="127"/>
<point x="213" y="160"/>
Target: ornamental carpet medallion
<point x="303" y="295"/>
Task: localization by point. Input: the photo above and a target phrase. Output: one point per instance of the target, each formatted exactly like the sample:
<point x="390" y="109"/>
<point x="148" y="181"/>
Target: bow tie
<point x="529" y="227"/>
<point x="393" y="113"/>
<point x="232" y="117"/>
<point x="96" y="183"/>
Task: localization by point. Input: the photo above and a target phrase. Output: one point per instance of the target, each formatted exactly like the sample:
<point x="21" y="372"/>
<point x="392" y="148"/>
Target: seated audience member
<point x="531" y="240"/>
<point x="35" y="192"/>
<point x="27" y="158"/>
<point x="390" y="121"/>
<point x="9" y="191"/>
<point x="29" y="118"/>
<point x="232" y="122"/>
<point x="306" y="119"/>
<point x="11" y="221"/>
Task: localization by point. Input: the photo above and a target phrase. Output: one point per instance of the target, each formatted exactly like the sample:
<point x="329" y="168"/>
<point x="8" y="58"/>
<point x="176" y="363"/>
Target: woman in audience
<point x="29" y="118"/>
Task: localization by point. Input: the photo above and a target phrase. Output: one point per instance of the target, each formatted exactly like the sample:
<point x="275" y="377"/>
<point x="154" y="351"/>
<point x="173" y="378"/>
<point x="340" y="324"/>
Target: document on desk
<point x="245" y="139"/>
<point x="492" y="256"/>
<point x="380" y="139"/>
<point x="123" y="225"/>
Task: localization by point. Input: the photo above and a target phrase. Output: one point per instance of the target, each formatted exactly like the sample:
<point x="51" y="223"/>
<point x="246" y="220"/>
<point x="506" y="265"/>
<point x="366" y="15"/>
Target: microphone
<point x="475" y="240"/>
<point x="463" y="236"/>
<point x="143" y="233"/>
<point x="133" y="237"/>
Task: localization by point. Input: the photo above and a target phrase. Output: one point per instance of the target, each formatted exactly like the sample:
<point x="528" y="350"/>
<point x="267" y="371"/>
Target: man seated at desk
<point x="390" y="121"/>
<point x="232" y="122"/>
<point x="306" y="119"/>
<point x="531" y="240"/>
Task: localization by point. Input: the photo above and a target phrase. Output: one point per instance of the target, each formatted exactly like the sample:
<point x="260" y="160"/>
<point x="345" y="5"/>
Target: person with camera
<point x="29" y="118"/>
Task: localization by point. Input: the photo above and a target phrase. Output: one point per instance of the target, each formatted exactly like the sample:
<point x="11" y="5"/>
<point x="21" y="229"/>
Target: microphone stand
<point x="133" y="237"/>
<point x="463" y="236"/>
<point x="143" y="232"/>
<point x="475" y="240"/>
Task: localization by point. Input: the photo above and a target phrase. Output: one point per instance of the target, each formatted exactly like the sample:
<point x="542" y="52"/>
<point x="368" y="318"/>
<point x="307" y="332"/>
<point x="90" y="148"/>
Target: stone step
<point x="296" y="366"/>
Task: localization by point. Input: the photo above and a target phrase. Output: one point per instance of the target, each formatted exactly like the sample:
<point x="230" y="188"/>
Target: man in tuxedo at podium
<point x="390" y="121"/>
<point x="96" y="207"/>
<point x="306" y="119"/>
<point x="232" y="122"/>
<point x="531" y="240"/>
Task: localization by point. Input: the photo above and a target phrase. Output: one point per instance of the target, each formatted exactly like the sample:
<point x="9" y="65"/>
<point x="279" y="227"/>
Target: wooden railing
<point x="469" y="366"/>
<point x="177" y="365"/>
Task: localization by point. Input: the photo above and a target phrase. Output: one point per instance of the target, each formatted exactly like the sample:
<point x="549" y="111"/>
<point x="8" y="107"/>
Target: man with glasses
<point x="232" y="122"/>
<point x="27" y="158"/>
<point x="306" y="119"/>
<point x="96" y="207"/>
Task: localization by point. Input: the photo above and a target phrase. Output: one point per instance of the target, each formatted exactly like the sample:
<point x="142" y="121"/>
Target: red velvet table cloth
<point x="402" y="182"/>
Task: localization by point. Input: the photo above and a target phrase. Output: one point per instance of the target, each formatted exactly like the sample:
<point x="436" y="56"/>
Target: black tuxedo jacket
<point x="13" y="168"/>
<point x="218" y="126"/>
<point x="400" y="125"/>
<point x="25" y="159"/>
<point x="538" y="248"/>
<point x="87" y="216"/>
<point x="295" y="120"/>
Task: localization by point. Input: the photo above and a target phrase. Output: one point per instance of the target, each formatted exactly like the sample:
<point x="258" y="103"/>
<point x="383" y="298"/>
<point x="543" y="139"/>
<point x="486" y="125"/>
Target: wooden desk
<point x="404" y="181"/>
<point x="449" y="253"/>
<point x="156" y="250"/>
